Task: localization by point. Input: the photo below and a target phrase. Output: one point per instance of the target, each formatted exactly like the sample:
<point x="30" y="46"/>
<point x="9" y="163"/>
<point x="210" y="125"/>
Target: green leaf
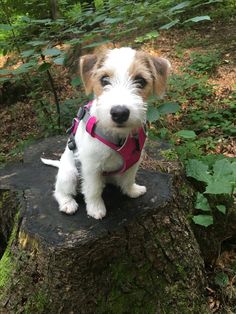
<point x="169" y="25"/>
<point x="222" y="186"/>
<point x="113" y="20"/>
<point x="127" y="31"/>
<point x="233" y="166"/>
<point x="222" y="169"/>
<point x="179" y="6"/>
<point x="203" y="220"/>
<point x="221" y="208"/>
<point x="147" y="36"/>
<point x="27" y="53"/>
<point x="25" y="19"/>
<point x="98" y="19"/>
<point x="59" y="61"/>
<point x="222" y="179"/>
<point x="198" y="19"/>
<point x="24" y="68"/>
<point x="44" y="67"/>
<point x="4" y="79"/>
<point x="187" y="134"/>
<point x="152" y="34"/>
<point x="5" y="72"/>
<point x="221" y="279"/>
<point x="52" y="52"/>
<point x="198" y="170"/>
<point x="6" y="27"/>
<point x="202" y="202"/>
<point x="36" y="43"/>
<point x="42" y="21"/>
<point x="152" y="114"/>
<point x="207" y="3"/>
<point x="139" y="39"/>
<point x="140" y="18"/>
<point x="76" y="81"/>
<point x="73" y="41"/>
<point x="167" y="108"/>
<point x="73" y="30"/>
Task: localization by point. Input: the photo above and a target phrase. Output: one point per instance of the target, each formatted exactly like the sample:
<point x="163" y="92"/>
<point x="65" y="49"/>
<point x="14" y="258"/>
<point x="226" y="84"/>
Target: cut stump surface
<point x="141" y="258"/>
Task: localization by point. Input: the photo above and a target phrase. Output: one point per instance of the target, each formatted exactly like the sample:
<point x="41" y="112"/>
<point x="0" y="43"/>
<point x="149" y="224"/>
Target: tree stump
<point x="141" y="258"/>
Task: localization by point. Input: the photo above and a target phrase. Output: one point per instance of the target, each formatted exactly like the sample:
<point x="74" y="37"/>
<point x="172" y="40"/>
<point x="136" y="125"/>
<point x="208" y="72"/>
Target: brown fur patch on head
<point x="154" y="67"/>
<point x="140" y="68"/>
<point x="89" y="64"/>
<point x="161" y="71"/>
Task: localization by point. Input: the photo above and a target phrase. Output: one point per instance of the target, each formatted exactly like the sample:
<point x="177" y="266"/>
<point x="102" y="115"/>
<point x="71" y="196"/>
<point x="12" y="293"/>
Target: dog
<point x="121" y="80"/>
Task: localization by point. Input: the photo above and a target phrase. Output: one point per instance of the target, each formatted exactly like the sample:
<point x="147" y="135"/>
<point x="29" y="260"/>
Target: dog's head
<point x="122" y="79"/>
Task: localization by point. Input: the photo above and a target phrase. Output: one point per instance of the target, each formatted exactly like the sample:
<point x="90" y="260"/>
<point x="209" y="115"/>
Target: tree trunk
<point x="141" y="258"/>
<point x="54" y="9"/>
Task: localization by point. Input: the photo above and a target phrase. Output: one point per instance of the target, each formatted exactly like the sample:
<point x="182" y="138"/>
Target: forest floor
<point x="204" y="79"/>
<point x="211" y="51"/>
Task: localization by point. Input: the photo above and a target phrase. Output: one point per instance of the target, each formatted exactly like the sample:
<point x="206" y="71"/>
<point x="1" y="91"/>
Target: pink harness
<point x="130" y="150"/>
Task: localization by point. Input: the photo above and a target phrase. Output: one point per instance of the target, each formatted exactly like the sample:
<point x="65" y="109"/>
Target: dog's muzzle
<point x="119" y="114"/>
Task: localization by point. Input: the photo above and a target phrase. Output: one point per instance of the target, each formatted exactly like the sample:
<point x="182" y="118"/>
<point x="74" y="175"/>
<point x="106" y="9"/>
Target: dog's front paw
<point x="69" y="207"/>
<point x="97" y="211"/>
<point x="136" y="190"/>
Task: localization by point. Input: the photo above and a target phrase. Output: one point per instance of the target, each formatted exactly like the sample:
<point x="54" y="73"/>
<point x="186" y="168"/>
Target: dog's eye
<point x="105" y="80"/>
<point x="139" y="81"/>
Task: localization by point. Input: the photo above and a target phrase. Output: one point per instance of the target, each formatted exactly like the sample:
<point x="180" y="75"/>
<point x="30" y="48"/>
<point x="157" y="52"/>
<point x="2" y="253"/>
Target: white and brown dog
<point x="121" y="80"/>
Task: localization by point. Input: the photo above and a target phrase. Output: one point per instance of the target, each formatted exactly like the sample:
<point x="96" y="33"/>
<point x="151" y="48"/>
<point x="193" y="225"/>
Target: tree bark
<point x="142" y="258"/>
<point x="54" y="9"/>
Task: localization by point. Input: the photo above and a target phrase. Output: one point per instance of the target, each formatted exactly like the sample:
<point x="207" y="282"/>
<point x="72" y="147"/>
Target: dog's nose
<point x="119" y="114"/>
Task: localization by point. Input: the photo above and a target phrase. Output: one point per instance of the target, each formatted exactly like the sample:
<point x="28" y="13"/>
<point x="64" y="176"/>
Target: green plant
<point x="218" y="179"/>
<point x="205" y="63"/>
<point x="169" y="154"/>
<point x="185" y="87"/>
<point x="149" y="36"/>
<point x="38" y="39"/>
<point x="214" y="118"/>
<point x="154" y="112"/>
<point x="221" y="279"/>
<point x="189" y="149"/>
<point x="190" y="41"/>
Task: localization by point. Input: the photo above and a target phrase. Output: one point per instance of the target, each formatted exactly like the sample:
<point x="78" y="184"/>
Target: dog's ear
<point x="87" y="64"/>
<point x="160" y="70"/>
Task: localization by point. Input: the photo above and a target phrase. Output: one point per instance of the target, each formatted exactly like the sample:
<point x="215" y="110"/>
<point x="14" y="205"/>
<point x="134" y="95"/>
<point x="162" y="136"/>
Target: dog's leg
<point x="65" y="187"/>
<point x="92" y="187"/>
<point x="127" y="183"/>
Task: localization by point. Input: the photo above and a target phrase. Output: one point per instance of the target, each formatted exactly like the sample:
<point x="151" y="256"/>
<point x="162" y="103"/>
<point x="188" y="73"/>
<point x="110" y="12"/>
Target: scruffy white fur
<point x="94" y="156"/>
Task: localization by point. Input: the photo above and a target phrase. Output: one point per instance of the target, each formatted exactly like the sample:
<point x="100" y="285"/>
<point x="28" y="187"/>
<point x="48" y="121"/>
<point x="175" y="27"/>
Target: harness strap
<point x="130" y="149"/>
<point x="95" y="131"/>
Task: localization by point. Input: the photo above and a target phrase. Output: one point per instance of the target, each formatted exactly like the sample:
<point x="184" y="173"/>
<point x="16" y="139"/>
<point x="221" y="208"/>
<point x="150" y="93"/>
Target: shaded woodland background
<point x="40" y="92"/>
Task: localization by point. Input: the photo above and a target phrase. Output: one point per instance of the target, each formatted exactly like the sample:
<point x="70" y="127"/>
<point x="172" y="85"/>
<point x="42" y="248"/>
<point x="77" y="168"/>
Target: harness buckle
<point x="81" y="113"/>
<point x="71" y="143"/>
<point x="137" y="144"/>
<point x="136" y="140"/>
<point x="71" y="129"/>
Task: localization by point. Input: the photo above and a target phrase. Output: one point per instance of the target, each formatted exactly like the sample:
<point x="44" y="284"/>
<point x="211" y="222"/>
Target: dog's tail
<point x="50" y="162"/>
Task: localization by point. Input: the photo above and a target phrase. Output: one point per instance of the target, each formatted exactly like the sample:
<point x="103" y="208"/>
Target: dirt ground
<point x="215" y="35"/>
